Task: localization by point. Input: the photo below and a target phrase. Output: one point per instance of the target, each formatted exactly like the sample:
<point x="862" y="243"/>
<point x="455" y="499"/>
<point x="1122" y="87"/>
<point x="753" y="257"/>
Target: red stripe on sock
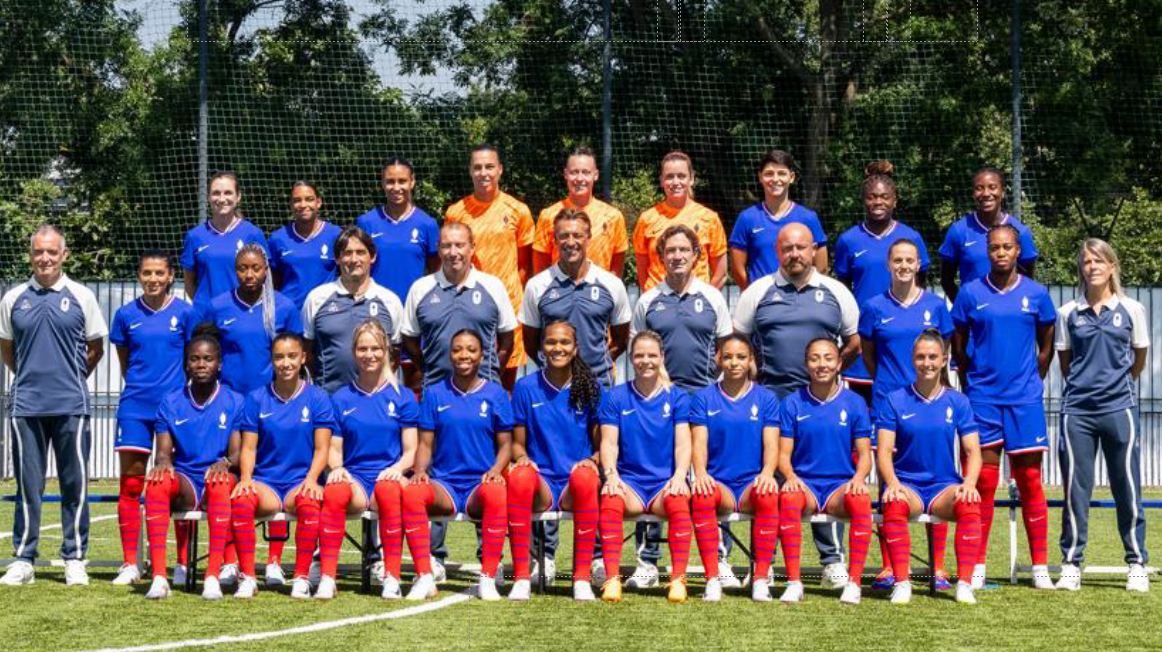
<point x="612" y="532"/>
<point x="791" y="507"/>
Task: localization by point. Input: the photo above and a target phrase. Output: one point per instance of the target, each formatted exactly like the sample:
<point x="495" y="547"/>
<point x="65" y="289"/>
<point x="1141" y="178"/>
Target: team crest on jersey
<point x="659" y="306"/>
<point x="1024" y="304"/>
<point x="373" y="309"/>
<point x="843" y="417"/>
<point x="476" y="297"/>
<point x="699" y="306"/>
<point x="222" y="421"/>
<point x="415" y="236"/>
<point x="173" y="323"/>
<point x="595" y="293"/>
<point x="948" y="414"/>
<point x="323" y="252"/>
<point x="927" y="317"/>
<point x="334" y="307"/>
<point x="239" y="247"/>
<point x="554" y="294"/>
<point x="25" y="305"/>
<point x="818" y="296"/>
<point x="65" y="304"/>
<point x="754" y="413"/>
<point x="1117" y="320"/>
<point x="666" y="409"/>
<point x="484" y="408"/>
<point x="391" y="408"/>
<point x="435" y="299"/>
<point x="306" y="415"/>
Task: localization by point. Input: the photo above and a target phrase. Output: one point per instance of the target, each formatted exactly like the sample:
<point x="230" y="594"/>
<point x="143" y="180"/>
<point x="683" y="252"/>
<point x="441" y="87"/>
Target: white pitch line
<point x="56" y="526"/>
<point x="303" y="629"/>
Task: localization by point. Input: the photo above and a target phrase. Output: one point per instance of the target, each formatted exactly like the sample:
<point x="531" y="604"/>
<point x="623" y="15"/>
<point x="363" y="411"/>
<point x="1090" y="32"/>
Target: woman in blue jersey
<point x="286" y="434"/>
<point x="149" y="333"/>
<point x="861" y="254"/>
<point x="1007" y="319"/>
<point x="753" y="253"/>
<point x="734" y="424"/>
<point x="248" y="318"/>
<point x="1102" y="337"/>
<point x="197" y="444"/>
<point x="209" y="249"/>
<point x="645" y="454"/>
<point x="965" y="248"/>
<point x="302" y="253"/>
<point x="821" y="424"/>
<point x="889" y="324"/>
<point x="919" y="427"/>
<point x="465" y="447"/>
<point x="554" y="453"/>
<point x="372" y="448"/>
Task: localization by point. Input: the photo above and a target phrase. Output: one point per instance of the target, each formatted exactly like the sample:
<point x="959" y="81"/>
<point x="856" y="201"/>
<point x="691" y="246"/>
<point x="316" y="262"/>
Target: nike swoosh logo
<point x="1038" y="518"/>
<point x="441" y="408"/>
<point x="346" y="412"/>
<point x="701" y="525"/>
<point x="886" y="320"/>
<point x="390" y="531"/>
<point x="584" y="532"/>
<point x="681" y="534"/>
<point x="412" y="529"/>
<point x="860" y="253"/>
<point x="133" y="326"/>
<point x="1041" y="439"/>
<point x="969" y="243"/>
<point x="310" y="522"/>
<point x="968" y="538"/>
<point x="227" y="322"/>
<point x="511" y="524"/>
<point x="893" y="540"/>
<point x="767" y="533"/>
<point x="326" y="531"/>
<point x="178" y="422"/>
<point x="154" y="517"/>
<point x="801" y="417"/>
<point x="495" y="530"/>
<point x="757" y="229"/>
<point x="711" y="413"/>
<point x="981" y="306"/>
<point x="377" y="234"/>
<point x="905" y="417"/>
<point x="201" y="249"/>
<point x="860" y="534"/>
<point x="537" y="405"/>
<point x="263" y="415"/>
<point x="786" y="527"/>
<point x="625" y="412"/>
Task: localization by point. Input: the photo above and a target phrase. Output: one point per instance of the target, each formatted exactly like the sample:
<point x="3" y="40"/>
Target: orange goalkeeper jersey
<point x="654" y="221"/>
<point x="608" y="235"/>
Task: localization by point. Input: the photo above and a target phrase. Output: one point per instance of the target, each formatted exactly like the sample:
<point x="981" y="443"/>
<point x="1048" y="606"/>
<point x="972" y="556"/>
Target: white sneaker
<point x="1041" y="579"/>
<point x="645" y="576"/>
<point x="726" y="576"/>
<point x="499" y="576"/>
<point x="851" y="594"/>
<point x="1070" y="578"/>
<point x="301" y="588"/>
<point x="423" y="588"/>
<point x="834" y="576"/>
<point x="486" y="590"/>
<point x="748" y="579"/>
<point x="521" y="591"/>
<point x="1137" y="579"/>
<point x="275" y="575"/>
<point x="550" y="571"/>
<point x="439" y="573"/>
<point x="760" y="591"/>
<point x="965" y="593"/>
<point x="19" y="572"/>
<point x="979" y="575"/>
<point x="128" y="574"/>
<point x="228" y="576"/>
<point x="583" y="591"/>
<point x="247" y="588"/>
<point x="327" y="588"/>
<point x="75" y="574"/>
<point x="901" y="593"/>
<point x="315" y="573"/>
<point x="377" y="571"/>
<point x="212" y="588"/>
<point x="391" y="590"/>
<point x="159" y="590"/>
<point x="597" y="571"/>
<point x="180" y="575"/>
<point x="713" y="590"/>
<point x="793" y="592"/>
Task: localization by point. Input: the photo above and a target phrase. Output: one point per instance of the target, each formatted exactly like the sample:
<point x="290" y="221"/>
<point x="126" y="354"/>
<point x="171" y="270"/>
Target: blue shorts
<point x="737" y="489"/>
<point x="823" y="490"/>
<point x="647" y="489"/>
<point x="280" y="488"/>
<point x="459" y="490"/>
<point x="556" y="486"/>
<point x="197" y="481"/>
<point x="134" y="435"/>
<point x="928" y="492"/>
<point x="1020" y="428"/>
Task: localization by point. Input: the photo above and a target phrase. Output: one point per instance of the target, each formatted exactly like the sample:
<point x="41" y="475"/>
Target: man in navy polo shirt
<point x="782" y="313"/>
<point x="51" y="337"/>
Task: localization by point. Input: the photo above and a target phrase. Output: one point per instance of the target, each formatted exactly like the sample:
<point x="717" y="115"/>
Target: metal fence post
<point x="1016" y="83"/>
<point x="203" y="108"/>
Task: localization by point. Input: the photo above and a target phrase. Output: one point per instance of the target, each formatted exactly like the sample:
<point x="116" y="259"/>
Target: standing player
<point x="197" y="444"/>
<point x="1008" y="319"/>
<point x="149" y="333"/>
<point x="735" y="428"/>
<point x="302" y="253"/>
<point x="374" y="444"/>
<point x="554" y="456"/>
<point x="919" y="427"/>
<point x="822" y="424"/>
<point x="248" y="318"/>
<point x="465" y="447"/>
<point x="753" y="250"/>
<point x="609" y="240"/>
<point x="578" y="291"/>
<point x="1102" y="337"/>
<point x="645" y="454"/>
<point x="679" y="207"/>
<point x="286" y="432"/>
<point x="51" y="338"/>
<point x="210" y="248"/>
<point x="502" y="230"/>
<point x="965" y="248"/>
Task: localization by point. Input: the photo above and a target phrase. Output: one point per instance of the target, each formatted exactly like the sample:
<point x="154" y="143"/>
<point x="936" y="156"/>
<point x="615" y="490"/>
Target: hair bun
<point x="207" y="329"/>
<point x="882" y="166"/>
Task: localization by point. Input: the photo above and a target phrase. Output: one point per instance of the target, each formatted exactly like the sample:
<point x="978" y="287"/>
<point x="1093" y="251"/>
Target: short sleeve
<point x="524" y="227"/>
<point x="162" y="421"/>
<point x="619" y="237"/>
<point x="738" y="234"/>
<point x="723" y="325"/>
<point x="965" y="420"/>
<point x="118" y="333"/>
<point x="888" y="418"/>
<point x="817" y="232"/>
<point x="637" y="323"/>
<point x="717" y="236"/>
<point x="307" y="317"/>
<point x="848" y="311"/>
<point x="95" y="326"/>
<point x="543" y="236"/>
<point x="6" y="305"/>
<point x="744" y="310"/>
<point x="861" y="425"/>
<point x="1046" y="312"/>
<point x="622" y="313"/>
<point x="427" y="419"/>
<point x="944" y="320"/>
<point x="395" y="314"/>
<point x="787" y="420"/>
<point x="276" y="264"/>
<point x="520" y="405"/>
<point x="960" y="308"/>
<point x="950" y="248"/>
<point x="771" y="412"/>
<point x="607" y="412"/>
<point x="292" y="319"/>
<point x="507" y="321"/>
<point x="249" y="421"/>
<point x="409" y="323"/>
<point x="257" y="237"/>
<point x="1140" y="336"/>
<point x="188" y="248"/>
<point x="1062" y="341"/>
<point x="697" y="410"/>
<point x="432" y="231"/>
<point x="530" y="312"/>
<point x="867" y="321"/>
<point x="681" y="405"/>
<point x="322" y="412"/>
<point x="1029" y="251"/>
<point x="409" y="410"/>
<point x="641" y="246"/>
<point x="501" y="411"/>
<point x="922" y="248"/>
<point x="842" y="262"/>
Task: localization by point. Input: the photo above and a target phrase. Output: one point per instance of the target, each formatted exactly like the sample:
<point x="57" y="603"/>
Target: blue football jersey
<point x="286" y="431"/>
<point x="892" y="328"/>
<point x="926" y="434"/>
<point x="465" y="426"/>
<point x="210" y="254"/>
<point x="645" y="430"/>
<point x="557" y="436"/>
<point x="200" y="433"/>
<point x="734" y="430"/>
<point x="402" y="248"/>
<point x="371" y="425"/>
<point x="303" y="263"/>
<point x="824" y="433"/>
<point x="156" y="341"/>
<point x="756" y="231"/>
<point x="246" y="362"/>
<point x="966" y="245"/>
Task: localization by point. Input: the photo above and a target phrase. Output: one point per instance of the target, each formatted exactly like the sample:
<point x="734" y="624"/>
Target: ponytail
<point x="268" y="316"/>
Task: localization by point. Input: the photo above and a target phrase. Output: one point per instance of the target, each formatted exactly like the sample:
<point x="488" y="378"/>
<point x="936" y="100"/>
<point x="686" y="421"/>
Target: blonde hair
<point x="375" y="329"/>
<point x="1104" y="251"/>
<point x="663" y="375"/>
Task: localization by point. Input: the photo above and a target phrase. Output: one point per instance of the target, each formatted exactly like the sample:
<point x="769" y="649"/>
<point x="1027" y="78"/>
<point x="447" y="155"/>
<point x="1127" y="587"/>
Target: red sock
<point x="612" y="531"/>
<point x="584" y="484"/>
<point x="899" y="539"/>
<point x="278" y="532"/>
<point x="336" y="498"/>
<point x="968" y="538"/>
<point x="522" y="484"/>
<point x="938" y="535"/>
<point x="986" y="484"/>
<point x="790" y="531"/>
<point x="217" y="501"/>
<point x="129" y="515"/>
<point x="307" y="515"/>
<point x="494" y="501"/>
<point x="231" y="556"/>
<point x="681" y="528"/>
<point x="389" y="502"/>
<point x="764" y="530"/>
<point x="157" y="498"/>
<point x="704" y="509"/>
<point x="885" y="552"/>
<point x="181" y="531"/>
<point x="242" y="511"/>
<point x="859" y="537"/>
<point x="1034" y="508"/>
<point x="417" y="498"/>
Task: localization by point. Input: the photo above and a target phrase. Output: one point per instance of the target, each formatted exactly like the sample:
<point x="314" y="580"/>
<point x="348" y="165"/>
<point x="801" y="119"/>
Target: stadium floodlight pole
<point x="203" y="107"/>
<point x="1016" y="29"/>
<point x="606" y="103"/>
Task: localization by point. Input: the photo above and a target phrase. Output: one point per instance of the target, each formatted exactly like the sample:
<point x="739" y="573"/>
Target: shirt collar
<point x="55" y="287"/>
<point x="469" y="282"/>
<point x="233" y="225"/>
<point x="320" y="225"/>
<point x="812" y="281"/>
<point x="917" y="394"/>
<point x="1083" y="303"/>
<point x="402" y="218"/>
<point x="989" y="282"/>
<point x="665" y="288"/>
<point x="776" y="218"/>
<point x="549" y="384"/>
<point x="213" y="395"/>
<point x="150" y="311"/>
<point x="891" y="229"/>
<point x="821" y="401"/>
<point x="298" y="392"/>
<point x="1004" y="220"/>
<point x="372" y="288"/>
<point x="560" y="276"/>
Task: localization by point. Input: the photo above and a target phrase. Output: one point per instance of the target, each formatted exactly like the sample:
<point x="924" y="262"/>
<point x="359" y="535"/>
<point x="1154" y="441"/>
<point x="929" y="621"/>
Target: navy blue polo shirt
<point x="1102" y="348"/>
<point x="690" y="324"/>
<point x="330" y="316"/>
